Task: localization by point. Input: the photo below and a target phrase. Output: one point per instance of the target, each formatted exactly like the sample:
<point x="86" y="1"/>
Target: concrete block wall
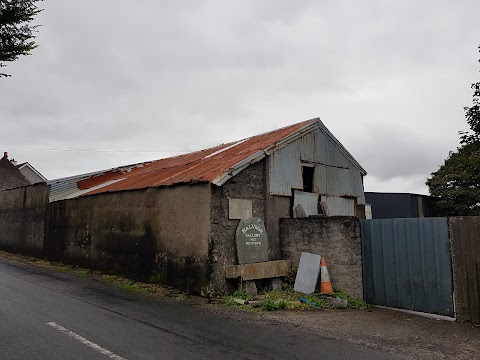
<point x="137" y="233"/>
<point x="23" y="213"/>
<point x="337" y="238"/>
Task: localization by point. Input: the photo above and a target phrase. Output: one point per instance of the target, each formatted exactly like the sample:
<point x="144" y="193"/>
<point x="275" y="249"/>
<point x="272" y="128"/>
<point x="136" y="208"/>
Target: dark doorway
<point x="307" y="176"/>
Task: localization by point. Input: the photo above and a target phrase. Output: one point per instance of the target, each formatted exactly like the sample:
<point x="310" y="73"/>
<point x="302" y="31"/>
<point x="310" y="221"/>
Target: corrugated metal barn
<point x="185" y="209"/>
<point x="399" y="205"/>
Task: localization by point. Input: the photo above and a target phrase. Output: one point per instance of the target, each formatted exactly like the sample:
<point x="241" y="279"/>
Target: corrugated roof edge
<point x="316" y="123"/>
<point x="93" y="173"/>
<point x="310" y="125"/>
<point x="242" y="165"/>
<point x="395" y="193"/>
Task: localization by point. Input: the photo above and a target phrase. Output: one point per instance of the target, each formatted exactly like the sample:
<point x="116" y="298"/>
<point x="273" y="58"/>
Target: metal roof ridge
<point x="315" y="123"/>
<point x="224" y="145"/>
<point x="261" y="154"/>
<point x="293" y="136"/>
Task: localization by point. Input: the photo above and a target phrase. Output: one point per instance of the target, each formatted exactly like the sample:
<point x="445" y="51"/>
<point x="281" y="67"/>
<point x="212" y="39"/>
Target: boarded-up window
<point x="239" y="209"/>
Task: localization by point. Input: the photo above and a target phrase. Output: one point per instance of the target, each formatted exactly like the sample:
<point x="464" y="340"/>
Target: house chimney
<point x="5" y="154"/>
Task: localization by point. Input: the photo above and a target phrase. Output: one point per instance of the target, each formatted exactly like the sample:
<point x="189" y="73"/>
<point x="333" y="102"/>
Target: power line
<point x="94" y="150"/>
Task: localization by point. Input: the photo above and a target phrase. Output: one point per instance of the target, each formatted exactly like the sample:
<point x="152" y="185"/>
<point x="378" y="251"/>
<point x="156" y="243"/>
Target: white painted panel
<point x="239" y="209"/>
<point x="339" y="206"/>
<point x="309" y="201"/>
<point x="368" y="211"/>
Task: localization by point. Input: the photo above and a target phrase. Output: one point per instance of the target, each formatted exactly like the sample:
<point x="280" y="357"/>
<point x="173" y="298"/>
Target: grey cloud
<point x="388" y="78"/>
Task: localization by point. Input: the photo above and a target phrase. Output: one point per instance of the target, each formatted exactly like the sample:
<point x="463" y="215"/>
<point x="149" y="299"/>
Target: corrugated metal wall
<point x="334" y="174"/>
<point x="465" y="241"/>
<point x="60" y="189"/>
<point x="399" y="205"/>
<point x="339" y="206"/>
<point x="407" y="264"/>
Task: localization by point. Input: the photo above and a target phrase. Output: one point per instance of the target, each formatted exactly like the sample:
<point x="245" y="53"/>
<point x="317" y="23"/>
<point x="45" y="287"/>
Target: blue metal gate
<point x="407" y="264"/>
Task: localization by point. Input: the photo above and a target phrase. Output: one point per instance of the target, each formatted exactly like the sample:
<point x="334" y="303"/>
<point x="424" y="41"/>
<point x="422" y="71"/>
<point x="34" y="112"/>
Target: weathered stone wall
<point x="22" y="219"/>
<point x="337" y="238"/>
<point x="249" y="184"/>
<point x="277" y="207"/>
<point x="137" y="233"/>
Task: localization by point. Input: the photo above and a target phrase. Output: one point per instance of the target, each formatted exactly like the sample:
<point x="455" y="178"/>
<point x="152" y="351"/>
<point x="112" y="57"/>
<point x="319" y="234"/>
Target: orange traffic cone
<point x="325" y="283"/>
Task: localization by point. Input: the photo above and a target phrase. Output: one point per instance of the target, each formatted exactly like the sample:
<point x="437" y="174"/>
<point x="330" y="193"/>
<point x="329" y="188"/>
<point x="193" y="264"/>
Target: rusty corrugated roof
<point x="214" y="165"/>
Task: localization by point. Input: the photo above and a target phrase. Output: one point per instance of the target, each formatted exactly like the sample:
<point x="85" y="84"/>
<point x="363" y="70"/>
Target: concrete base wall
<point x="250" y="184"/>
<point x="137" y="233"/>
<point x="22" y="219"/>
<point x="337" y="238"/>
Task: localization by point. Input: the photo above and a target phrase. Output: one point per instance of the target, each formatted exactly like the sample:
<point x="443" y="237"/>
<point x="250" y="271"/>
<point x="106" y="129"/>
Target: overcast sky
<point x="388" y="78"/>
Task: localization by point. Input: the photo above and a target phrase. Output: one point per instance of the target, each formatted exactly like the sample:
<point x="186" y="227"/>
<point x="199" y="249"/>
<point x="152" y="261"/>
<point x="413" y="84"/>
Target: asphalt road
<point x="50" y="315"/>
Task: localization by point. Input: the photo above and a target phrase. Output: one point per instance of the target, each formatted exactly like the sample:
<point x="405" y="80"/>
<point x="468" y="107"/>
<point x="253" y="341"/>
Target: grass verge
<point x="145" y="288"/>
<point x="287" y="299"/>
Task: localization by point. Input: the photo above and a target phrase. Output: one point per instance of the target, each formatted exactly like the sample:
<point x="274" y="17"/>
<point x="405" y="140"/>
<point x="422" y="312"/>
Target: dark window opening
<point x="307" y="176"/>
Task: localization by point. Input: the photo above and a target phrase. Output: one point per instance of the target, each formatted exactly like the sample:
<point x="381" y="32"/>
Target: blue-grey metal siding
<point x="407" y="264"/>
<point x="335" y="174"/>
<point x="398" y="205"/>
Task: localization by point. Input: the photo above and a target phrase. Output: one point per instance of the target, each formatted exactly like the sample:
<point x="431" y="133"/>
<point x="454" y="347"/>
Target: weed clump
<point x="353" y="303"/>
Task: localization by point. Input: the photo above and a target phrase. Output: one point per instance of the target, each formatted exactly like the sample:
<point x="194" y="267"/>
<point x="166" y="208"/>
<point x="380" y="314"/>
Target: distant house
<point x="10" y="176"/>
<point x="186" y="209"/>
<point x="399" y="205"/>
<point x="30" y="173"/>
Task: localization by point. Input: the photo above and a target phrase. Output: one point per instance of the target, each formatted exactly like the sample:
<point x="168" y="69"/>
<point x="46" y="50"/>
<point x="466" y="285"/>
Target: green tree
<point x="455" y="187"/>
<point x="16" y="32"/>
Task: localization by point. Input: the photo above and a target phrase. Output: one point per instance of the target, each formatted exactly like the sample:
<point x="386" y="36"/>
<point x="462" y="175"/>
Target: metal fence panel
<point x="465" y="241"/>
<point x="407" y="264"/>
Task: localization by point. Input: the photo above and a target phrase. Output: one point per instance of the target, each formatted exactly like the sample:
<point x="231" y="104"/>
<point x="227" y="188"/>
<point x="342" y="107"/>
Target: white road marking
<point x="86" y="342"/>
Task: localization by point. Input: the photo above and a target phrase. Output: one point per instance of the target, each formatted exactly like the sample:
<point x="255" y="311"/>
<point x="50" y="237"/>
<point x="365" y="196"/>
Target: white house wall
<point x="31" y="175"/>
<point x="334" y="175"/>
